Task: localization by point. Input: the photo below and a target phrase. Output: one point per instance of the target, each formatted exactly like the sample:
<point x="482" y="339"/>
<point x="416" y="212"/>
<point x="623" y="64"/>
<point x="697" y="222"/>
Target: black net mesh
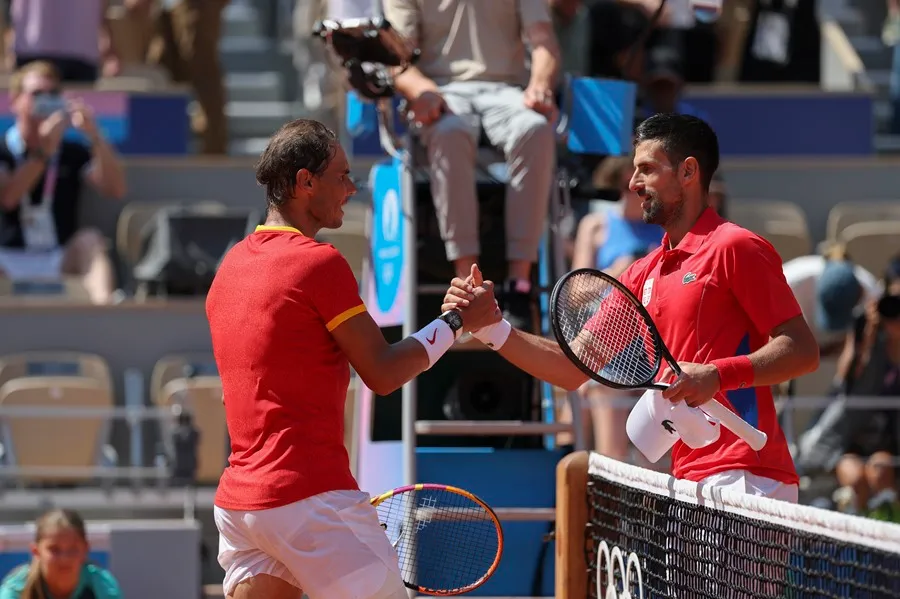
<point x="689" y="551"/>
<point x="445" y="541"/>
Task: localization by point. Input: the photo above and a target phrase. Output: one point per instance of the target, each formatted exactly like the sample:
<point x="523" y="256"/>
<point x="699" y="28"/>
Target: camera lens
<point x="889" y="307"/>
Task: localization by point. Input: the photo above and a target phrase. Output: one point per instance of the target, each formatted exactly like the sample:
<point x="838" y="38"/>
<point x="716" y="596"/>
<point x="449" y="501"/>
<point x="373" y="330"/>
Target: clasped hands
<point x="473" y="298"/>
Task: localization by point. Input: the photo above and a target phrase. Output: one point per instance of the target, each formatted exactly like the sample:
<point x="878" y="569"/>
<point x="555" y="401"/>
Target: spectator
<point x="890" y="35"/>
<point x="663" y="84"/>
<point x="471" y="76"/>
<point x="187" y="46"/>
<point x="828" y="288"/>
<point x="59" y="565"/>
<point x="783" y="43"/>
<point x="867" y="441"/>
<point x="611" y="240"/>
<point x="74" y="36"/>
<point x="41" y="174"/>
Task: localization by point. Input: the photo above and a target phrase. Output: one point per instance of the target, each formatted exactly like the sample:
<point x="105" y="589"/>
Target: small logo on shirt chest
<point x="688" y="278"/>
<point x="648" y="292"/>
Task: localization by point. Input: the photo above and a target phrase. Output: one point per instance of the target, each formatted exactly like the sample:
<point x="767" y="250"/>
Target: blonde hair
<point x="47" y="524"/>
<point x="39" y="67"/>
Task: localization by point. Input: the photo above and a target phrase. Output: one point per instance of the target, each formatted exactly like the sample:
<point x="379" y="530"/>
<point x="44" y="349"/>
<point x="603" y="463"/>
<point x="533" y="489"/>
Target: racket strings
<point x="445" y="541"/>
<point x="605" y="330"/>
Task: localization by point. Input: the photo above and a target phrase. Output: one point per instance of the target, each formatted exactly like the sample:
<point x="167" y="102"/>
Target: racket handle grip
<point x="754" y="437"/>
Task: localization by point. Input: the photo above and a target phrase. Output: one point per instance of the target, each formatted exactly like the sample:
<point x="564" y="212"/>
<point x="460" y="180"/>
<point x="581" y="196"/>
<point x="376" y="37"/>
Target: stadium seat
<point x="50" y="363"/>
<point x="135" y="216"/>
<point x="175" y="366"/>
<point x="844" y="214"/>
<point x="56" y="442"/>
<point x="202" y="397"/>
<point x="872" y="245"/>
<point x="783" y="224"/>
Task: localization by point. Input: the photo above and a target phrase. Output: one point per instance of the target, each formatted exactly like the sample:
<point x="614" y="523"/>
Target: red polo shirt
<point x="272" y="306"/>
<point x="719" y="294"/>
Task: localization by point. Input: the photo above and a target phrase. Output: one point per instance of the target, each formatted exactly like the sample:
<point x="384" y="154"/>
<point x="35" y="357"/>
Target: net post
<point x="571" y="521"/>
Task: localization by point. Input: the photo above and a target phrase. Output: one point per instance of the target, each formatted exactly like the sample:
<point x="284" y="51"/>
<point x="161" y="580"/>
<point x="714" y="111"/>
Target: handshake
<point x="473" y="298"/>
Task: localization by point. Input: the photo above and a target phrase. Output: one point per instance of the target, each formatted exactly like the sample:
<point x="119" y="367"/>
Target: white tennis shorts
<point x="330" y="545"/>
<point x="742" y="481"/>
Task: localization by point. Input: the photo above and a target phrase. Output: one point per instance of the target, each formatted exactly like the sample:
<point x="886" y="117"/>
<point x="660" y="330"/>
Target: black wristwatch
<point x="454" y="319"/>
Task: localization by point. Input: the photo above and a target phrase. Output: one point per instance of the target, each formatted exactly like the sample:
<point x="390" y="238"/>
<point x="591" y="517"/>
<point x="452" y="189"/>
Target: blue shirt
<point x="95" y="578"/>
<point x="625" y="238"/>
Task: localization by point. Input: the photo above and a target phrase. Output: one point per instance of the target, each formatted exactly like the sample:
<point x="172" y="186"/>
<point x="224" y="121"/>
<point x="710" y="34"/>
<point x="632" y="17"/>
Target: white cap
<point x="695" y="428"/>
<point x="649" y="428"/>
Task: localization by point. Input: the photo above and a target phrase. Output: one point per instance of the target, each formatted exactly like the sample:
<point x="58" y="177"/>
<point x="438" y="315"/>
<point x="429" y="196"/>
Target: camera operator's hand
<point x="51" y="131"/>
<point x="83" y="119"/>
<point x="427" y="108"/>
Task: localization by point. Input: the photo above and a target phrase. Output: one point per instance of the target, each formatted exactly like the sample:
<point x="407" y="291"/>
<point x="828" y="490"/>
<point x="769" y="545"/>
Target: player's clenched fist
<point x="474" y="298"/>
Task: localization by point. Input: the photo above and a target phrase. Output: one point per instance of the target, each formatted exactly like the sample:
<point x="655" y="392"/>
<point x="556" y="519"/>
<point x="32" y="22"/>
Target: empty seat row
<point x="870" y="230"/>
<point x="68" y="447"/>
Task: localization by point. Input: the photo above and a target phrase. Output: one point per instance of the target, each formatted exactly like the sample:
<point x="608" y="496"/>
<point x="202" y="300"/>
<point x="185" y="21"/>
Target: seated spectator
<point x="73" y="36"/>
<point x="610" y="240"/>
<point x="59" y="565"/>
<point x="663" y="84"/>
<point x="472" y="76"/>
<point x="828" y="288"/>
<point x="42" y="168"/>
<point x="870" y="438"/>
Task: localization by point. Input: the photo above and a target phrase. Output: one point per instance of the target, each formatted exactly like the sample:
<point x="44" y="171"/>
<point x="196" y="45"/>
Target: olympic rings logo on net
<point x="608" y="558"/>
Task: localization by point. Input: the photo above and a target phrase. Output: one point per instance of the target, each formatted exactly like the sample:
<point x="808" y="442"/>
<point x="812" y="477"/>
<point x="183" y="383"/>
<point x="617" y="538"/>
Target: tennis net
<point x="662" y="537"/>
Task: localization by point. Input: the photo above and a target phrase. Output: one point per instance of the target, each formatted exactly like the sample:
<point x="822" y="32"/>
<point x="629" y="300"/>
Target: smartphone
<point x="47" y="104"/>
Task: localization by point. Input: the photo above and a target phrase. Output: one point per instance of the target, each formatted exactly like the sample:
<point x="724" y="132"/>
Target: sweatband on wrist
<point x="734" y="373"/>
<point x="495" y="335"/>
<point x="436" y="337"/>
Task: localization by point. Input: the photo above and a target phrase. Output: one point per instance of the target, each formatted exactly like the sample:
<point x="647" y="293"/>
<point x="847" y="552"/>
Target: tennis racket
<point x="606" y="332"/>
<point x="449" y="541"/>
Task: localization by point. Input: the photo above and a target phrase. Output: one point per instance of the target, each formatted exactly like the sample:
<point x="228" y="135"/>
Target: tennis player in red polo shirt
<point x="718" y="295"/>
<point x="287" y="322"/>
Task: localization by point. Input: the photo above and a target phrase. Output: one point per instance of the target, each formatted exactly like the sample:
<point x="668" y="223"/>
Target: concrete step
<point x="240" y="19"/>
<point x="887" y="144"/>
<point x="260" y="119"/>
<point x="882" y="112"/>
<point x="247" y="146"/>
<point x="872" y="51"/>
<point x="252" y="54"/>
<point x="881" y="79"/>
<point x="255" y="87"/>
<point x="852" y="21"/>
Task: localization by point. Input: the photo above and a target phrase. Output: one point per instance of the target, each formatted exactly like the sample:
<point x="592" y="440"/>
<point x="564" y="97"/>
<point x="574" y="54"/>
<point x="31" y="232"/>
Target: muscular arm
<point x="791" y="352"/>
<point x="543" y="359"/>
<point x="754" y="271"/>
<point x="20" y="182"/>
<point x="382" y="366"/>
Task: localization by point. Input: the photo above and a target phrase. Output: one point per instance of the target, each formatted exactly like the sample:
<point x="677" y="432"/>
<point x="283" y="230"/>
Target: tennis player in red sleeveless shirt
<point x="287" y="322"/>
<point x="718" y="296"/>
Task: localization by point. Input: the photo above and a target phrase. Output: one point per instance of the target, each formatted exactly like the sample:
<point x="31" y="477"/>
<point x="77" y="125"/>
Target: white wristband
<point x="495" y="335"/>
<point x="436" y="337"/>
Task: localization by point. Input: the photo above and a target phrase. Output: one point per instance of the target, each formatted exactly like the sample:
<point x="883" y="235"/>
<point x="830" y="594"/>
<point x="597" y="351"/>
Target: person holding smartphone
<point x="42" y="170"/>
<point x="870" y="366"/>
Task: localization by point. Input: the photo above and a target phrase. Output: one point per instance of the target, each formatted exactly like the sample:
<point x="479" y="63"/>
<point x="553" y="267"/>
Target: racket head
<point x="450" y="544"/>
<point x="577" y="298"/>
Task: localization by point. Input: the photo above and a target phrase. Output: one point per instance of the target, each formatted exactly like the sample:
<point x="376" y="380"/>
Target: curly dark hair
<point x="300" y="144"/>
